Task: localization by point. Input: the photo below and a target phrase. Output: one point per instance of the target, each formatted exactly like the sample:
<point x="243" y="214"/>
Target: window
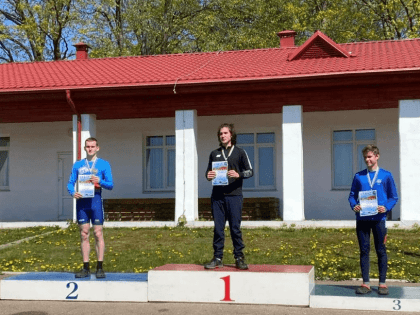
<point x="4" y="163"/>
<point x="348" y="156"/>
<point x="160" y="163"/>
<point x="261" y="153"/>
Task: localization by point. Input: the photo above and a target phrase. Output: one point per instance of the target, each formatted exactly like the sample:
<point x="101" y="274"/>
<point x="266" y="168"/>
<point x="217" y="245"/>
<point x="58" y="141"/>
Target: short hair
<point x="91" y="139"/>
<point x="370" y="148"/>
<point x="231" y="128"/>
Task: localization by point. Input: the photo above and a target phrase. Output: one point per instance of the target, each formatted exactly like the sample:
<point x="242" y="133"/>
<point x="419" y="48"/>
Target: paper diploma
<point x="221" y="169"/>
<point x="369" y="202"/>
<point x="86" y="187"/>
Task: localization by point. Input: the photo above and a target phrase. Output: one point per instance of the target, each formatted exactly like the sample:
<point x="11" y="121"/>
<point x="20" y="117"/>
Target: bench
<point x="163" y="209"/>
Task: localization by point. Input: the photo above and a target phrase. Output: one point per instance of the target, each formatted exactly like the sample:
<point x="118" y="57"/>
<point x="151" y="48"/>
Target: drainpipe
<point x="79" y="124"/>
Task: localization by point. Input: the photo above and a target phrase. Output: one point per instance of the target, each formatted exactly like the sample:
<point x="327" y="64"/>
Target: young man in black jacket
<point x="227" y="200"/>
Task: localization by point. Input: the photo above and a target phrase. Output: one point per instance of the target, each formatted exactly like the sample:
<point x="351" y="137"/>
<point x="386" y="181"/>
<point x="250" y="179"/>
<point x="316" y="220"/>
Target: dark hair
<point x="231" y="128"/>
<point x="91" y="140"/>
<point x="370" y="148"/>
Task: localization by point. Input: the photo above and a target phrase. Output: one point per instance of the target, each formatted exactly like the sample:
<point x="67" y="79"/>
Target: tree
<point x="35" y="30"/>
<point x="396" y="19"/>
<point x="138" y="27"/>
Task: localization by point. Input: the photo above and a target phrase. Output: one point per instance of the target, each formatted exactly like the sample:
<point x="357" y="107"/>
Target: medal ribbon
<point x="230" y="152"/>
<point x="93" y="165"/>
<point x="372" y="182"/>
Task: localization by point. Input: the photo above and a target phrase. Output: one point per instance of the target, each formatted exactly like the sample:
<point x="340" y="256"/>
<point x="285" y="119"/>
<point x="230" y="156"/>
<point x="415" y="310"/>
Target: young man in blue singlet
<point x="375" y="183"/>
<point x="90" y="209"/>
<point x="226" y="201"/>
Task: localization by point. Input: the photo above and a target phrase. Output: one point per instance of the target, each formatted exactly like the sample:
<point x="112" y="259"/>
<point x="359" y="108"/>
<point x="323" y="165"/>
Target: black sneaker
<point x="240" y="263"/>
<point x="383" y="290"/>
<point x="100" y="274"/>
<point x="82" y="273"/>
<point x="363" y="289"/>
<point x="215" y="263"/>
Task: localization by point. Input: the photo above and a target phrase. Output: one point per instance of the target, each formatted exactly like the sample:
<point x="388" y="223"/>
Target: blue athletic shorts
<point x="90" y="210"/>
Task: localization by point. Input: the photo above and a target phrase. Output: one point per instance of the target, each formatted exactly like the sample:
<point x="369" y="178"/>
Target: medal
<point x="230" y="152"/>
<point x="93" y="171"/>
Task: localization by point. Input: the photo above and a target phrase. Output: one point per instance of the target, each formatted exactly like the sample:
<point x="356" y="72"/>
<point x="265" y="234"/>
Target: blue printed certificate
<point x="86" y="187"/>
<point x="221" y="169"/>
<point x="369" y="202"/>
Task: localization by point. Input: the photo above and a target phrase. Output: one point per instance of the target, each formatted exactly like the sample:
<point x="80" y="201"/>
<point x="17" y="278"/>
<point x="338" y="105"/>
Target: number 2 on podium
<point x="227" y="289"/>
<point x="75" y="287"/>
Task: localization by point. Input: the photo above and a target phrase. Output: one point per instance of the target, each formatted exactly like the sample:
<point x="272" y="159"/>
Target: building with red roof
<point x="302" y="113"/>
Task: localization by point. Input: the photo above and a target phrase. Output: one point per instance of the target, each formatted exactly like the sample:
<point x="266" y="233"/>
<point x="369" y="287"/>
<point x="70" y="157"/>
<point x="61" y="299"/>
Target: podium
<point x="127" y="287"/>
<point x="260" y="284"/>
<point x="406" y="299"/>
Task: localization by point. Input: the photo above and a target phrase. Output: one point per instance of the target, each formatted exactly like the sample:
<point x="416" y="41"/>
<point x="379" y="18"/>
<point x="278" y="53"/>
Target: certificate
<point x="221" y="169"/>
<point x="86" y="187"/>
<point x="369" y="202"/>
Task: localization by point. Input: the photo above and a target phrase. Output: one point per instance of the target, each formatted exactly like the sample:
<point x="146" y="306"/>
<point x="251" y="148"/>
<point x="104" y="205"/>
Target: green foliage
<point x="11" y="235"/>
<point x="333" y="252"/>
<point x="395" y="19"/>
<point x="182" y="220"/>
<point x="35" y="30"/>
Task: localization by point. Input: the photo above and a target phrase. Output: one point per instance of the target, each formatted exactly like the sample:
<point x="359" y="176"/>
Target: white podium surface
<point x="406" y="299"/>
<point x="127" y="287"/>
<point x="260" y="284"/>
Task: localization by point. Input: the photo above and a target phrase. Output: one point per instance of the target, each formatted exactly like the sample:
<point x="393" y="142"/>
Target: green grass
<point x="333" y="252"/>
<point x="11" y="235"/>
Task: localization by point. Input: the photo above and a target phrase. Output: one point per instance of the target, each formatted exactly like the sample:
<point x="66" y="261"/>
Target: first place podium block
<point x="124" y="287"/>
<point x="260" y="284"/>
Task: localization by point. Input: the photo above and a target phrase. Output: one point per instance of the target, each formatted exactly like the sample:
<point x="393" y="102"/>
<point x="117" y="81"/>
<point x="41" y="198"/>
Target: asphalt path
<point x="105" y="308"/>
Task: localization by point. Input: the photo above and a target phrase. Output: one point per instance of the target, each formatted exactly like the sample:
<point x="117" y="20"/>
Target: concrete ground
<point x="92" y="308"/>
<point x="11" y="307"/>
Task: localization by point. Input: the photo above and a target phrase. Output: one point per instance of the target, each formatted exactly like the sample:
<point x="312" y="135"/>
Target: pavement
<point x="12" y="307"/>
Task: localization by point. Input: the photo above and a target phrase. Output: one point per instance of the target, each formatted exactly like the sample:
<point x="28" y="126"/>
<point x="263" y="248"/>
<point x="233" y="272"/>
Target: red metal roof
<point x="319" y="56"/>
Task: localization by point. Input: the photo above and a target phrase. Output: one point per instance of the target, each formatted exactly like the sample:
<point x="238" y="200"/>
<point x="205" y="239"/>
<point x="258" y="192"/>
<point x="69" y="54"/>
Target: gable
<point x="319" y="46"/>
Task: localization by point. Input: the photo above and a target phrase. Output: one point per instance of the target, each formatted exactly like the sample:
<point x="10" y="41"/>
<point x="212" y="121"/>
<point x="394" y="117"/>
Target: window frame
<point x="6" y="188"/>
<point x="166" y="148"/>
<point x="255" y="166"/>
<point x="355" y="143"/>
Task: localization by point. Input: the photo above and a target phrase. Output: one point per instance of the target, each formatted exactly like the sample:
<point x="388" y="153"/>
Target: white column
<point x="293" y="200"/>
<point x="75" y="135"/>
<point x="88" y="130"/>
<point x="75" y="150"/>
<point x="186" y="165"/>
<point x="409" y="132"/>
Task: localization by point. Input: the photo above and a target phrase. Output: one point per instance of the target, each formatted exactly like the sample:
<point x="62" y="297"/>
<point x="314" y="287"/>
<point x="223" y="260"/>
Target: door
<point x="65" y="201"/>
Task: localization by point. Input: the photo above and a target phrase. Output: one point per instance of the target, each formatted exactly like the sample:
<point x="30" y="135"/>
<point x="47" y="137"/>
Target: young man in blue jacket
<point x="377" y="185"/>
<point x="90" y="209"/>
<point x="227" y="200"/>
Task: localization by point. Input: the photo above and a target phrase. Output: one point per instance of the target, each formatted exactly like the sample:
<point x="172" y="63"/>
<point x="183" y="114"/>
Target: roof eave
<point x="248" y="80"/>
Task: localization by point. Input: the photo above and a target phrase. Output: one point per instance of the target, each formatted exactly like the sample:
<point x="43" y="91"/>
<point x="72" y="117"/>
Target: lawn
<point x="11" y="235"/>
<point x="333" y="252"/>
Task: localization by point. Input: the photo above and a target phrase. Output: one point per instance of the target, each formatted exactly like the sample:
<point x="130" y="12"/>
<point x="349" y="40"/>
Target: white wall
<point x="33" y="172"/>
<point x="321" y="202"/>
<point x="33" y="194"/>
